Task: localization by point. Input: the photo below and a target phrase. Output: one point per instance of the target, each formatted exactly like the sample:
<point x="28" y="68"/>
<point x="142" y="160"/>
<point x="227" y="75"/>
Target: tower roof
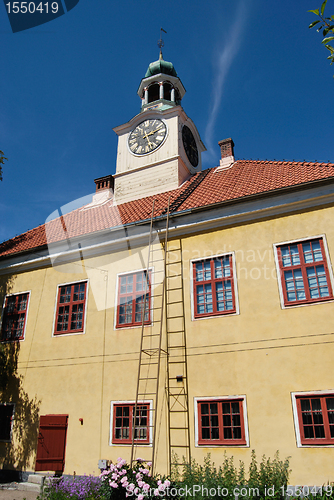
<point x="160" y="66"/>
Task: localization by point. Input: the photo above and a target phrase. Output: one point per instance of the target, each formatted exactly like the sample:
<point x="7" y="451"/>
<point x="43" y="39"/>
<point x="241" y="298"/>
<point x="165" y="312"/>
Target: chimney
<point x="104" y="189"/>
<point x="106" y="182"/>
<point x="227" y="153"/>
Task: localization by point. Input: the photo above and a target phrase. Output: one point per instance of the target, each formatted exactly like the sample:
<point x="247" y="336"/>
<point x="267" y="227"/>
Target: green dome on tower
<point x="160" y="66"/>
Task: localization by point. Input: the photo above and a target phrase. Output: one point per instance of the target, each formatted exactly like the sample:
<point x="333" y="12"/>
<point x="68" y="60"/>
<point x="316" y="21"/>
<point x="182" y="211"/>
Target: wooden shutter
<point x="51" y="443"/>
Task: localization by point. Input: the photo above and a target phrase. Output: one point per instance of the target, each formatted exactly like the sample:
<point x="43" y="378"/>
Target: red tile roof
<point x="244" y="178"/>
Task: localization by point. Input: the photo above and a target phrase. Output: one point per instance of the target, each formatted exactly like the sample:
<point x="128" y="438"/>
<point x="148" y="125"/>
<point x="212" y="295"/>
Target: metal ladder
<point x="151" y="351"/>
<point x="166" y="329"/>
<point x="177" y="372"/>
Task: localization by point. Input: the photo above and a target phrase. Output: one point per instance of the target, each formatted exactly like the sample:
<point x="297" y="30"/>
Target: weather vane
<point x="161" y="42"/>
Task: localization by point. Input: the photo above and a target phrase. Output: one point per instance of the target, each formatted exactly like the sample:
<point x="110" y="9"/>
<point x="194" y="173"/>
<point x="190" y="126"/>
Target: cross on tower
<point x="161" y="42"/>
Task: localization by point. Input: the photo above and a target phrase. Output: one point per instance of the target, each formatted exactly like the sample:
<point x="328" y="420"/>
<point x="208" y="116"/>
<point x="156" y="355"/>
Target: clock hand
<point x="154" y="131"/>
<point x="148" y="140"/>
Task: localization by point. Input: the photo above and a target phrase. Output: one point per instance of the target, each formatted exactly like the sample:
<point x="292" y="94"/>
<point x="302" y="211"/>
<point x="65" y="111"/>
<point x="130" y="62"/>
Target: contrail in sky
<point x="223" y="61"/>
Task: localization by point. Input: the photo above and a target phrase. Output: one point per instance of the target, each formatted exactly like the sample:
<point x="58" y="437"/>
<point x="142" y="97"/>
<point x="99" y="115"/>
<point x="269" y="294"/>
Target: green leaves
<point x="2" y="162"/>
<point x="328" y="39"/>
<point x="328" y="24"/>
<point x="323" y="7"/>
<point x="314" y="23"/>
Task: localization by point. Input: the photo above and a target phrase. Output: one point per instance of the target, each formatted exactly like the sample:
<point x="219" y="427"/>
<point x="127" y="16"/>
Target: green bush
<point x="210" y="482"/>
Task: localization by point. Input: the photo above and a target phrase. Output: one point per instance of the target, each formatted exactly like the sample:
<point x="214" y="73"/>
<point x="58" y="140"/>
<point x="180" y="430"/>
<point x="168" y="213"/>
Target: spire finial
<point x="161" y="43"/>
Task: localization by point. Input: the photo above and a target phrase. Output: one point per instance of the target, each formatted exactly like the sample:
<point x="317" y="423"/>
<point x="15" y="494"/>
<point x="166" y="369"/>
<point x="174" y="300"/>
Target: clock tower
<point x="160" y="147"/>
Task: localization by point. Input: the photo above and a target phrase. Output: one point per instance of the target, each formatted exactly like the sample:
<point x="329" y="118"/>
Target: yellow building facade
<point x="250" y="243"/>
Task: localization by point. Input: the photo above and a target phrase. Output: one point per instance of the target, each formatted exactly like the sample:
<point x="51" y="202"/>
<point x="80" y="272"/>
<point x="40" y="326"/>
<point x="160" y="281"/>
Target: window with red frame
<point x="70" y="313"/>
<point x="131" y="298"/>
<point x="14" y="317"/>
<point x="221" y="422"/>
<point x="304" y="272"/>
<point x="123" y="423"/>
<point x="316" y="419"/>
<point x="213" y="286"/>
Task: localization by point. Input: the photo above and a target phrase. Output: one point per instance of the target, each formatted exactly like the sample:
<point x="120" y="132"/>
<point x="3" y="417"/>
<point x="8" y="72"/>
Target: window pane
<point x="290" y="255"/>
<point x="224" y="295"/>
<point x="294" y="285"/>
<point x="312" y="251"/>
<point x="204" y="298"/>
<point x="222" y="267"/>
<point x="203" y="271"/>
<point x="205" y="409"/>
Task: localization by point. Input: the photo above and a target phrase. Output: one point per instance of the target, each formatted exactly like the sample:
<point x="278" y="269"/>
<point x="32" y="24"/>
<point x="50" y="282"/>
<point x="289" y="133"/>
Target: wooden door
<point x="51" y="443"/>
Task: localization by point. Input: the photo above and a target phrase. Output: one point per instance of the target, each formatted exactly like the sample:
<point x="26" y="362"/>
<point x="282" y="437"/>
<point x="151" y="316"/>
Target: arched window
<point x="153" y="92"/>
<point x="167" y="91"/>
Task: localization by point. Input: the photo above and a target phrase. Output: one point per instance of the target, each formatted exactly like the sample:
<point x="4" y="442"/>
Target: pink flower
<point x="113" y="484"/>
<point x="114" y="476"/>
<point x="124" y="479"/>
<point x="146" y="487"/>
<point x="149" y="464"/>
<point x="156" y="492"/>
<point x="167" y="483"/>
<point x="161" y="487"/>
<point x="140" y="497"/>
<point x="131" y="487"/>
<point x="139" y="476"/>
<point x="140" y="483"/>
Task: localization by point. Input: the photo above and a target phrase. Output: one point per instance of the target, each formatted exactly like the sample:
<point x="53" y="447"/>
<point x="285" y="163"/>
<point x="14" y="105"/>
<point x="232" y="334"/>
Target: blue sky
<point x="252" y="69"/>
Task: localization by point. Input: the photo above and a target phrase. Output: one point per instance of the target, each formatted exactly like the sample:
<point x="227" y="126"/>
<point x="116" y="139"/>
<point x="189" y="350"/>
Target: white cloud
<point x="223" y="58"/>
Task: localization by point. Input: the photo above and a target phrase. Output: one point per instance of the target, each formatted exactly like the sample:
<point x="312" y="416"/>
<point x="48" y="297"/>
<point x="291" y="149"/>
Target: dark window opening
<point x="6" y="421"/>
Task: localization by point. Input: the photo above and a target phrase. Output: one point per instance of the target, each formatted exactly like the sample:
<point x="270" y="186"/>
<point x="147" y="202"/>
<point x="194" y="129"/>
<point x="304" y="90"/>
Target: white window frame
<point x="294" y="396"/>
<point x="278" y="269"/>
<point x="73" y="282"/>
<point x="221" y="398"/>
<point x="150" y="422"/>
<point x="26" y="319"/>
<point x="235" y="283"/>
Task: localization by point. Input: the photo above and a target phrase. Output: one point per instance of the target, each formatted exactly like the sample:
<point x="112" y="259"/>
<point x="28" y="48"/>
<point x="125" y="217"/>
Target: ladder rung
<point x="146" y="393"/>
<point x="147" y="378"/>
<point x="177" y="411"/>
<point x="180" y="446"/>
<point x="175" y="317"/>
<point x="178" y="428"/>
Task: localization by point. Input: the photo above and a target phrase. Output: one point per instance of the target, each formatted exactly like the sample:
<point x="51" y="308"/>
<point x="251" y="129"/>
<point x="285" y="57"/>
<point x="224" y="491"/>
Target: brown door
<point x="51" y="443"/>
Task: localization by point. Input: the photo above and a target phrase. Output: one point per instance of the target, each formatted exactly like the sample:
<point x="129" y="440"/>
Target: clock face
<point x="190" y="146"/>
<point x="147" y="137"/>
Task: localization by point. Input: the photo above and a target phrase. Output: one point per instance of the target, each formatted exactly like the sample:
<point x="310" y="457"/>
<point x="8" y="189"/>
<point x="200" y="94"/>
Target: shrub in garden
<point x="229" y="480"/>
<point x="121" y="481"/>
